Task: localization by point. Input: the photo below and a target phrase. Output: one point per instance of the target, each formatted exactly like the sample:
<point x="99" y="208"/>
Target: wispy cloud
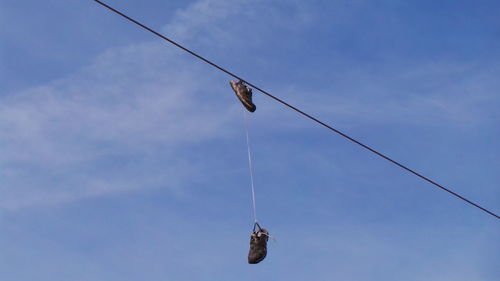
<point x="443" y="94"/>
<point x="60" y="141"/>
<point x="126" y="104"/>
<point x="210" y="21"/>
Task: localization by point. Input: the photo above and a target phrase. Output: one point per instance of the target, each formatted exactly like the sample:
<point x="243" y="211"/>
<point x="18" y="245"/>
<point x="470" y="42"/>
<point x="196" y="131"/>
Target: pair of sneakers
<point x="260" y="236"/>
<point x="244" y="94"/>
<point x="258" y="244"/>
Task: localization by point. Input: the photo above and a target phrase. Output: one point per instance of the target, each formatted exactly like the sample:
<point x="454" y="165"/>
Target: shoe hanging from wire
<point x="244" y="94"/>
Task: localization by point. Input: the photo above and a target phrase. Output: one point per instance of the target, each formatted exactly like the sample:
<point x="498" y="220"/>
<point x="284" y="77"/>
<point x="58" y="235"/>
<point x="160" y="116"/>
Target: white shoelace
<point x="250" y="166"/>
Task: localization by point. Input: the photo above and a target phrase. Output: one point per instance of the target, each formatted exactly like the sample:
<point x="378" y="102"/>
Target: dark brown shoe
<point x="244" y="94"/>
<point x="258" y="245"/>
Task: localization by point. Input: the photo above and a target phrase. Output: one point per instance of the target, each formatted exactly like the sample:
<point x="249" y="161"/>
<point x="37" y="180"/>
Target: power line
<point x="301" y="112"/>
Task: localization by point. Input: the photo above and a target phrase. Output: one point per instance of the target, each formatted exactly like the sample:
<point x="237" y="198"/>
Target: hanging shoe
<point x="258" y="245"/>
<point x="244" y="94"/>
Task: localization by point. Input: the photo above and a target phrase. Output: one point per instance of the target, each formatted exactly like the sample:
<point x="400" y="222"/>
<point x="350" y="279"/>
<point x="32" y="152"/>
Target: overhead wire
<point x="300" y="111"/>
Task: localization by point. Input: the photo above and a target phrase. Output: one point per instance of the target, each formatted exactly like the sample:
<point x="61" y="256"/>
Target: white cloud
<point x="134" y="102"/>
<point x="146" y="101"/>
<point x="443" y="94"/>
<point x="139" y="101"/>
<point x="126" y="103"/>
<point x="237" y="24"/>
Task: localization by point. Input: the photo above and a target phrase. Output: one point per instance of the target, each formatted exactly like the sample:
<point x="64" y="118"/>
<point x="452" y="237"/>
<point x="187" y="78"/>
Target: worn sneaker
<point x="258" y="245"/>
<point x="244" y="94"/>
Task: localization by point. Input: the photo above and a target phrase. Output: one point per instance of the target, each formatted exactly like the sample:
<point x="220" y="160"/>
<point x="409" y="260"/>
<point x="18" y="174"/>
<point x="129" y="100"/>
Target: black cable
<point x="300" y="111"/>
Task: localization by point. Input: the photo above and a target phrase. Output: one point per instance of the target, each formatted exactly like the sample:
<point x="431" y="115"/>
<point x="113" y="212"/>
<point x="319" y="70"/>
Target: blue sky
<point x="123" y="158"/>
